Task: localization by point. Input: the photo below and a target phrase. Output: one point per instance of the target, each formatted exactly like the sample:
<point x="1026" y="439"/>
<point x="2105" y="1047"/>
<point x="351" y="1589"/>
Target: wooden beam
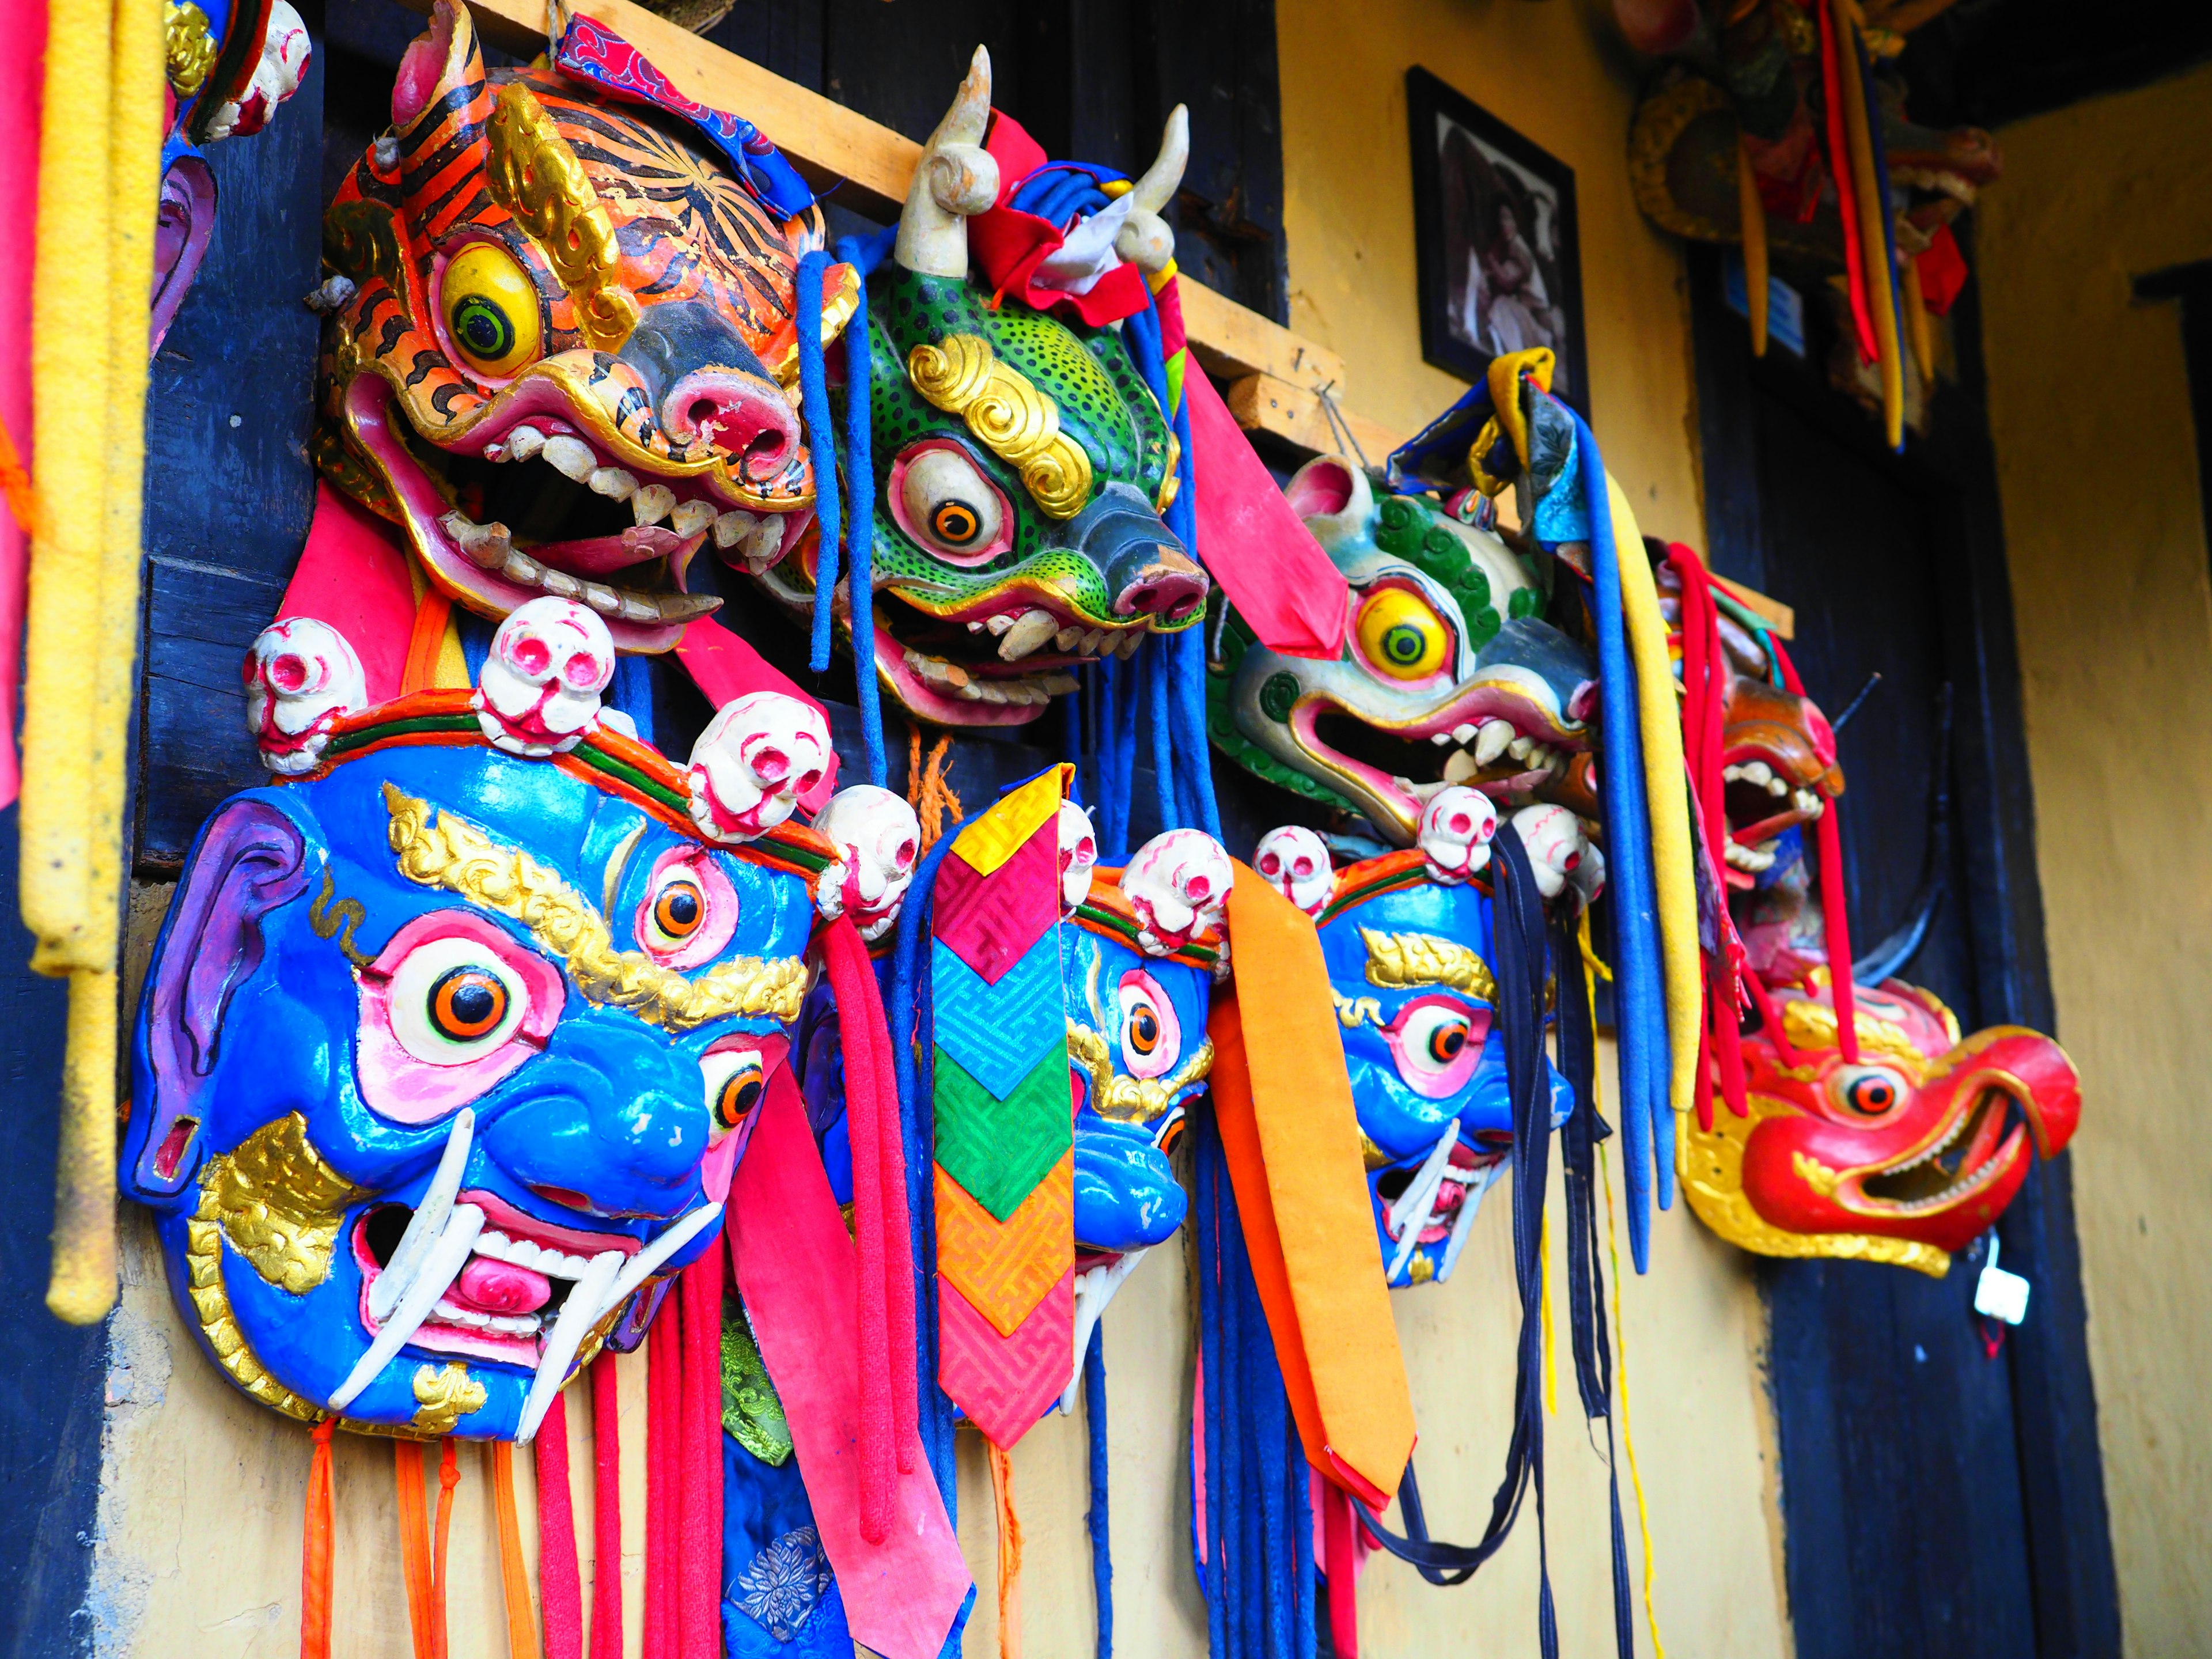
<point x="1262" y="403"/>
<point x="1234" y="343"/>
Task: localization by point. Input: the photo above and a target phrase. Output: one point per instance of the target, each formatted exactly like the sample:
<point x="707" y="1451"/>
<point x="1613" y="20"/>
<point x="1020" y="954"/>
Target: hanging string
<point x="1101" y="1518"/>
<point x="663" y="1373"/>
<point x="927" y="789"/>
<point x="1010" y="1552"/>
<point x="863" y="254"/>
<point x="560" y="1582"/>
<point x="316" y="1548"/>
<point x="449" y="1476"/>
<point x="513" y="1572"/>
<point x="696" y="1295"/>
<point x="606" y="1512"/>
<point x="1835" y="907"/>
<point x="1627" y="1433"/>
<point x="414" y="1544"/>
<point x="822" y="439"/>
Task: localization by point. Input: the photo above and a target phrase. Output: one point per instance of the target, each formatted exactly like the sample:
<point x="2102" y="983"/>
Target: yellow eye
<point x="1400" y="634"/>
<point x="491" y="310"/>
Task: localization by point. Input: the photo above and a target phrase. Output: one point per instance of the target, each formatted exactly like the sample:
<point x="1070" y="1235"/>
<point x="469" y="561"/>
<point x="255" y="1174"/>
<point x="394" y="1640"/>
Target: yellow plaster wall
<point x="198" y="1552"/>
<point x="2089" y="406"/>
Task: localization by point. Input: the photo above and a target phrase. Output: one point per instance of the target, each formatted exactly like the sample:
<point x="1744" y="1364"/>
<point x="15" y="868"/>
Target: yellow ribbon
<point x="1881" y="294"/>
<point x="1506" y="416"/>
<point x="99" y="184"/>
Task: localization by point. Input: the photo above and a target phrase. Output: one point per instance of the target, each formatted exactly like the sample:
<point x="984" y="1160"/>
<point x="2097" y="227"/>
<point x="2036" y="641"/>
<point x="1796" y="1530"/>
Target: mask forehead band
<point x="449" y="853"/>
<point x="1010" y="417"/>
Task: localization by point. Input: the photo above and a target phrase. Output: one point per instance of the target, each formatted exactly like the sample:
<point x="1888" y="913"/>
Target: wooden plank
<point x="1263" y="403"/>
<point x="1781" y="621"/>
<point x="1235" y="342"/>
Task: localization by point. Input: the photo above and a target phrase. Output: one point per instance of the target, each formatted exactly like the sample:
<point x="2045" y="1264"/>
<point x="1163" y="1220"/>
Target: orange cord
<point x="449" y="1476"/>
<point x="15" y="484"/>
<point x="425" y="640"/>
<point x="926" y="790"/>
<point x="513" y="1572"/>
<point x="1009" y="1554"/>
<point x="414" y="1542"/>
<point x="315" y="1546"/>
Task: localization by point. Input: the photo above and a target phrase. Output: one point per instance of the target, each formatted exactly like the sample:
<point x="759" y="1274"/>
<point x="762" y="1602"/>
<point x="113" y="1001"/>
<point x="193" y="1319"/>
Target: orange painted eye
<point x="955" y="522"/>
<point x="735" y="1079"/>
<point x="678" y="910"/>
<point x="1873" y="1094"/>
<point x="467" y="1004"/>
<point x="1445" y="1040"/>
<point x="1144" y="1033"/>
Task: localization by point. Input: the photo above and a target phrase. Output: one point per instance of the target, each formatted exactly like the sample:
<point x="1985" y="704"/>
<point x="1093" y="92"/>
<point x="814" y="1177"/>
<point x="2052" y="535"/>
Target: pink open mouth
<point x="509" y="1292"/>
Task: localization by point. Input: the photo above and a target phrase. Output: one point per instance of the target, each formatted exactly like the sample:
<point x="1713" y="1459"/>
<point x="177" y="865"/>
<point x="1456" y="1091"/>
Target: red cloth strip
<point x="699" y="1291"/>
<point x="664" y="1374"/>
<point x="1839" y="169"/>
<point x="560" y="1582"/>
<point x="606" y="1513"/>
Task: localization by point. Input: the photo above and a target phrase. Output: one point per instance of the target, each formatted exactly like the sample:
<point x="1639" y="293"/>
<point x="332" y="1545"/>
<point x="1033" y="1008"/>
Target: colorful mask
<point x="1020" y="468"/>
<point x="1449" y="675"/>
<point x="1904" y="1157"/>
<point x="446" y="1054"/>
<point x="563" y="357"/>
<point x="1409" y="966"/>
<point x="229" y="63"/>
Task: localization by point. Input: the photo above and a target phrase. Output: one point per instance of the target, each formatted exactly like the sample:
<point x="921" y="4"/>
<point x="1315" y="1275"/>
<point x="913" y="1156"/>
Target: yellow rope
<point x="99" y="184"/>
<point x="1592" y="969"/>
<point x="1544" y="1288"/>
<point x="1753" y="213"/>
<point x="1881" y="294"/>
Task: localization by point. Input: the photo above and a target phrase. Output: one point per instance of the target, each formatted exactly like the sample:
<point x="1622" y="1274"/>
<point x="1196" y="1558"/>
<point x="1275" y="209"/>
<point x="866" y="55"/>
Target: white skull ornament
<point x="753" y="761"/>
<point x="1556" y="850"/>
<point x="301" y="676"/>
<point x="1079" y="857"/>
<point x="1456" y="827"/>
<point x="1178" y="884"/>
<point x="1294" y="861"/>
<point x="538" y="692"/>
<point x="879" y="838"/>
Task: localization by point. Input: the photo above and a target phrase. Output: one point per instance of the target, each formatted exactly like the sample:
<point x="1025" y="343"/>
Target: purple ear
<point x="249" y="861"/>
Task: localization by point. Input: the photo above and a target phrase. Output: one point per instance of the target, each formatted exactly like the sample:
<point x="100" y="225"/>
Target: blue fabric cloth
<point x="780" y="1598"/>
<point x="822" y="440"/>
<point x="859" y="472"/>
<point x="1101" y="1544"/>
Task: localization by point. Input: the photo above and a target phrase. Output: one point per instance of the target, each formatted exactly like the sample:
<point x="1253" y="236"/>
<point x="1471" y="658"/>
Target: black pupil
<point x="1148" y="1027"/>
<point x="473" y="1001"/>
<point x="955" y="522"/>
<point x="683" y="906"/>
<point x="483" y="327"/>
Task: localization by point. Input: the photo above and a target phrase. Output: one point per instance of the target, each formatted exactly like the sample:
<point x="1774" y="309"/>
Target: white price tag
<point x="1998" y="1294"/>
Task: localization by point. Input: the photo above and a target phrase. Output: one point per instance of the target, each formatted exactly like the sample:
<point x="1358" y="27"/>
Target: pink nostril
<point x="742" y="415"/>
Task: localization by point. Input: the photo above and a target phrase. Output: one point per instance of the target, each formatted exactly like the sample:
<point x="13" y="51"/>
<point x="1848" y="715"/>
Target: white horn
<point x="957" y="178"/>
<point x="1147" y="241"/>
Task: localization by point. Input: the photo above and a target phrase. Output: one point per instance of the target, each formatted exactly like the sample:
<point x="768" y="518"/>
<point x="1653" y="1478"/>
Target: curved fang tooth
<point x="689" y="517"/>
<point x="651" y="503"/>
<point x="571" y="457"/>
<point x="1489" y="742"/>
<point x="1459" y="767"/>
<point x="577" y="1315"/>
<point x="646" y="1262"/>
<point x="1021" y="638"/>
<point x="445" y="1260"/>
<point x="523" y="442"/>
<point x="1519" y="747"/>
<point x="427" y="1223"/>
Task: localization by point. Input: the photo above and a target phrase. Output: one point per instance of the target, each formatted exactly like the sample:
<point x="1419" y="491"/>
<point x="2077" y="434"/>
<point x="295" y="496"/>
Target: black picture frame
<point x="1467" y="164"/>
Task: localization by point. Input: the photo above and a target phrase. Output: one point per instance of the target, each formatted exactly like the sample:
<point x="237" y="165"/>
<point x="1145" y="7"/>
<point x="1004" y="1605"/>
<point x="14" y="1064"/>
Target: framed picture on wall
<point x="1494" y="241"/>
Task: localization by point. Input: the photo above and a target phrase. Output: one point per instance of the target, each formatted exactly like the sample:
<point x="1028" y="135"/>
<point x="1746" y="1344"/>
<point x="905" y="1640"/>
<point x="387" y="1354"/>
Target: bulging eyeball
<point x="1078" y="856"/>
<point x="539" y="690"/>
<point x="1456" y="827"/>
<point x="1295" y="862"/>
<point x="301" y="677"/>
<point x="879" y="841"/>
<point x="1178" y="884"/>
<point x="1557" y="849"/>
<point x="754" y="761"/>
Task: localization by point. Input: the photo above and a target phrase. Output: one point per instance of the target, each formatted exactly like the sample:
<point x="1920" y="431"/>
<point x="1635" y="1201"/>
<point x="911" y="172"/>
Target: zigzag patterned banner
<point x="1005" y="1142"/>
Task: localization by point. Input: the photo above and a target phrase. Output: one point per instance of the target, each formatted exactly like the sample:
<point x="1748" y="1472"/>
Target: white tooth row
<point x="1756" y="772"/>
<point x="499" y="1324"/>
<point x="487" y="546"/>
<point x="952" y="677"/>
<point x="1949" y="1195"/>
<point x="1480" y="745"/>
<point x="521" y="1252"/>
<point x="648" y="503"/>
<point x="1749" y="860"/>
<point x="1966" y="1121"/>
<point x="755" y="540"/>
<point x="1030" y="631"/>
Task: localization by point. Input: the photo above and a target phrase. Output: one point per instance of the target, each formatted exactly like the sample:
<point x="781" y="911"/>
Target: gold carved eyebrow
<point x="1126" y="1099"/>
<point x="1020" y="424"/>
<point x="535" y="176"/>
<point x="456" y="856"/>
<point x="1400" y="961"/>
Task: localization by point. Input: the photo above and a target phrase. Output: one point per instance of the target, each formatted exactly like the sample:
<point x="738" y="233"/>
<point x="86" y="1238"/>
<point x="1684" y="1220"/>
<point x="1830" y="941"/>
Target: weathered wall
<point x="199" y="1537"/>
<point x="2089" y="406"/>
